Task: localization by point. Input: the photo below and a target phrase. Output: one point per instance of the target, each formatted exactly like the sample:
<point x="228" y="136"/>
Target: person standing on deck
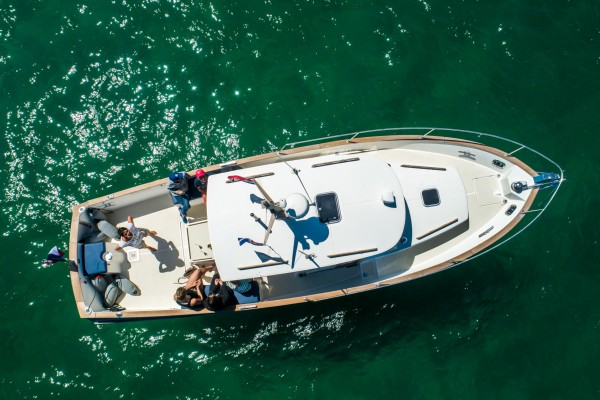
<point x="201" y="183"/>
<point x="133" y="236"/>
<point x="177" y="185"/>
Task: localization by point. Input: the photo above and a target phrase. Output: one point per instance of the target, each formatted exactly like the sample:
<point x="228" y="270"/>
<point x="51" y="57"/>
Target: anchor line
<point x="547" y="200"/>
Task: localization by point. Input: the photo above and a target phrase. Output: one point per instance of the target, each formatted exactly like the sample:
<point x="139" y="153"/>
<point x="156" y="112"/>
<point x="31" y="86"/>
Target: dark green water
<point x="99" y="96"/>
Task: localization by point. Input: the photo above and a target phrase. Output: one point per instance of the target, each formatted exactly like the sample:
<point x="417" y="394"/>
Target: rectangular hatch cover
<point x="328" y="208"/>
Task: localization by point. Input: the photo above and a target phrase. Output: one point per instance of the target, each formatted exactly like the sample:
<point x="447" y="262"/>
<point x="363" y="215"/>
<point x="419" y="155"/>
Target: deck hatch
<point x="328" y="208"/>
<point x="431" y="197"/>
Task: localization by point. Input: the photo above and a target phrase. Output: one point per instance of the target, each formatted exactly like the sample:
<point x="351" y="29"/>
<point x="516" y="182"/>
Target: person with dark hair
<point x="177" y="185"/>
<point x="133" y="236"/>
<point x="192" y="294"/>
<point x="219" y="295"/>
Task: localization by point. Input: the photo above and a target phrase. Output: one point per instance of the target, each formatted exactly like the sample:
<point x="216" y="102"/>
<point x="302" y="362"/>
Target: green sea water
<point x="96" y="97"/>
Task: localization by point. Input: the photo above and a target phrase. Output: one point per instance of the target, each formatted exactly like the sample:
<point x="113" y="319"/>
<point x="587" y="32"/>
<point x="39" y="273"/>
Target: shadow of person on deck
<point x="167" y="255"/>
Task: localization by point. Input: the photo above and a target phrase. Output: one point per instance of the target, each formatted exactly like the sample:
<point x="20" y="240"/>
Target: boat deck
<point x="484" y="202"/>
<point x="158" y="274"/>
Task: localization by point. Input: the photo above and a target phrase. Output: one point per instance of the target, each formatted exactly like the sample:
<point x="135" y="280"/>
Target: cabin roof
<point x="367" y="226"/>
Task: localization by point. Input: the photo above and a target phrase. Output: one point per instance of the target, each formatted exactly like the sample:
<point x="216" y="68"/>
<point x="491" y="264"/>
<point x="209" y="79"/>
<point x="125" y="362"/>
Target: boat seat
<point x="90" y="256"/>
<point x="93" y="262"/>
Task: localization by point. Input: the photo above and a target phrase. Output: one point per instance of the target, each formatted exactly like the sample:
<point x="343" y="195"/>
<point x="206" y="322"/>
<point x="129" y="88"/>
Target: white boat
<point x="315" y="220"/>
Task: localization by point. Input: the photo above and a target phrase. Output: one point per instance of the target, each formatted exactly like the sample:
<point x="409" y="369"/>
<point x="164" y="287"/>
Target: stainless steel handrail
<point x="429" y="131"/>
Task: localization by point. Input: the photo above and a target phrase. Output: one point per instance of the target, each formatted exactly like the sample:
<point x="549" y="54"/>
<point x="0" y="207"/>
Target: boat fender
<point x="92" y="298"/>
<point x="100" y="283"/>
<point x="85" y="218"/>
<point x="127" y="286"/>
<point x="111" y="295"/>
<point x="95" y="237"/>
<point x="86" y="225"/>
<point x="97" y="215"/>
<point x="108" y="229"/>
<point x="83" y="233"/>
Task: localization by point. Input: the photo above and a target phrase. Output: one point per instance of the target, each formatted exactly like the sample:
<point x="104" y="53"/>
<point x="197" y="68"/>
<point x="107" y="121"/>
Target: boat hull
<point x="450" y="148"/>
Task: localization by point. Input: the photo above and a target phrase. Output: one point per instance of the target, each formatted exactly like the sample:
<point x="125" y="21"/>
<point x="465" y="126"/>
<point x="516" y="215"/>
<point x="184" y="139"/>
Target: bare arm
<point x="200" y="289"/>
<point x="201" y="296"/>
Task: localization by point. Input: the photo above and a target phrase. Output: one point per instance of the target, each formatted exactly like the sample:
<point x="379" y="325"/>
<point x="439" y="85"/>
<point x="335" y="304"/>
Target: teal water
<point x="99" y="96"/>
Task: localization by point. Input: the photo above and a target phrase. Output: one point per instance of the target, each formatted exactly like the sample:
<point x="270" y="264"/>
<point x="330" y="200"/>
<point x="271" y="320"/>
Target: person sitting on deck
<point x="192" y="294"/>
<point x="177" y="185"/>
<point x="133" y="236"/>
<point x="201" y="182"/>
<point x="220" y="295"/>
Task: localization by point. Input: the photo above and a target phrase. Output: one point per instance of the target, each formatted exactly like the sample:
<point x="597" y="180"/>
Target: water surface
<point x="100" y="96"/>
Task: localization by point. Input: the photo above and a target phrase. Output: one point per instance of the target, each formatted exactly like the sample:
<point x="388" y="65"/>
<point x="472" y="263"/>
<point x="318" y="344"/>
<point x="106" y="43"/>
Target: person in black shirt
<point x="219" y="295"/>
<point x="192" y="294"/>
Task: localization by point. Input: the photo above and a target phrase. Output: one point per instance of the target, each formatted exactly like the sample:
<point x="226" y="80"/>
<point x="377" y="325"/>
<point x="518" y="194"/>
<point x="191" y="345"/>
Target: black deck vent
<point x="431" y="197"/>
<point x="328" y="208"/>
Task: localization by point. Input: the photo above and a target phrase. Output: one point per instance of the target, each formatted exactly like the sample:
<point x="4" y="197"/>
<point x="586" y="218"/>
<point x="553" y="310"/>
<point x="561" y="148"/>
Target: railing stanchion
<point x="352" y="138"/>
<point x="513" y="152"/>
<point x="427" y="133"/>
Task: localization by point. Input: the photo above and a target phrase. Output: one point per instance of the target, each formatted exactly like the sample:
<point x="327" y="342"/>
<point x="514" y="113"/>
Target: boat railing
<point x="424" y="132"/>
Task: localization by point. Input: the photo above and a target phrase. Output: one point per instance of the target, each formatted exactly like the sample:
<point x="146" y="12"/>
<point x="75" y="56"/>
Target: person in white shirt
<point x="133" y="236"/>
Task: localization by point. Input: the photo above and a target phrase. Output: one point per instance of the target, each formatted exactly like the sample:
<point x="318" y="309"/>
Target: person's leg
<point x="147" y="232"/>
<point x="206" y="268"/>
<point x="185" y="206"/>
<point x="191" y="282"/>
<point x="182" y="215"/>
<point x="145" y="246"/>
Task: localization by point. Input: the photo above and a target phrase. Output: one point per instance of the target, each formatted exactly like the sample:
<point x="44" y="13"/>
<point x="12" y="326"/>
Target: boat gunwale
<point x="126" y="315"/>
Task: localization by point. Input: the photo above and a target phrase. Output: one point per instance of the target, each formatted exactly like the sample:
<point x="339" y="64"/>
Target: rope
<point x="296" y="172"/>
